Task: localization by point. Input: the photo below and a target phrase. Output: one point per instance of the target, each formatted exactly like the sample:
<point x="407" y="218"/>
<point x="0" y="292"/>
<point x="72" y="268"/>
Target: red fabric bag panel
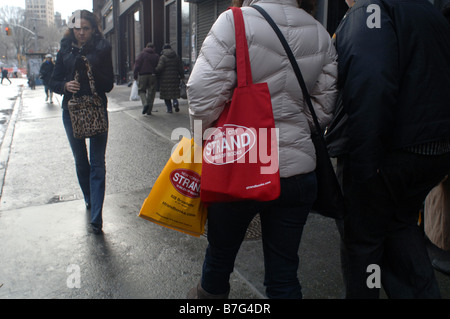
<point x="240" y="157"/>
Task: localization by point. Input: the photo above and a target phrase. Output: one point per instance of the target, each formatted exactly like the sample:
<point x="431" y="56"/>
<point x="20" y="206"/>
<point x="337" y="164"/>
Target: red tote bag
<point x="240" y="156"/>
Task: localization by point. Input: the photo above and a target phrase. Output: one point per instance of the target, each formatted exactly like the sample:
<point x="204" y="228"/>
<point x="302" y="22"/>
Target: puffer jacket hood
<point x="213" y="77"/>
<point x="170" y="53"/>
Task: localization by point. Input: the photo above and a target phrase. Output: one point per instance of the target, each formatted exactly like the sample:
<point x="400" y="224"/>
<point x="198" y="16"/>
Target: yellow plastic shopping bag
<point x="174" y="200"/>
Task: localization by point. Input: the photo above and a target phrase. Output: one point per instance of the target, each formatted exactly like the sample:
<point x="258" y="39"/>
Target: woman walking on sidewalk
<point x="84" y="38"/>
<point x="170" y="70"/>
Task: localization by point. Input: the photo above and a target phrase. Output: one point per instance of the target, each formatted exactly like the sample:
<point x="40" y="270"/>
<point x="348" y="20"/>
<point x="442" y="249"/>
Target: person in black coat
<point x="5" y="75"/>
<point x="170" y="71"/>
<point x="45" y="74"/>
<point x="394" y="70"/>
<point x="84" y="38"/>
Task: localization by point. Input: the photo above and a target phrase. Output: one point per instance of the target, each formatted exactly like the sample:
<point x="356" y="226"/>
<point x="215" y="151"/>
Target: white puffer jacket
<point x="213" y="77"/>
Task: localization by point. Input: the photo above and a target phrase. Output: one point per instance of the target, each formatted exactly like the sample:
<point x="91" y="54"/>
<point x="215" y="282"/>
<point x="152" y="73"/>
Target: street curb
<point x="5" y="149"/>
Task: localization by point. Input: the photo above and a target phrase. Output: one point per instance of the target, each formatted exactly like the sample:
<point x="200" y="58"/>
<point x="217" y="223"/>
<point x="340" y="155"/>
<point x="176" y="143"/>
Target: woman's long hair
<point x="93" y="20"/>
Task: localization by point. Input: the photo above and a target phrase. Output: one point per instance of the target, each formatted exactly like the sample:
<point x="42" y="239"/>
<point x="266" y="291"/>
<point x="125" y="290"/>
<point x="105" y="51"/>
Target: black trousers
<point x="381" y="227"/>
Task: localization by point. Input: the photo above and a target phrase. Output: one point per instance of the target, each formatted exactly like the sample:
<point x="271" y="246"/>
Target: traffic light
<point x="8" y="31"/>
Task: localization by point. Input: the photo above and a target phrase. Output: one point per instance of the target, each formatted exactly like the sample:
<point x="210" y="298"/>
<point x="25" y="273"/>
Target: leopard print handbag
<point x="87" y="113"/>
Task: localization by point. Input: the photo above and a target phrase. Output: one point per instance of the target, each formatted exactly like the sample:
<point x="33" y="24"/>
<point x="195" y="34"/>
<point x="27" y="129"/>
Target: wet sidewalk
<point x="47" y="252"/>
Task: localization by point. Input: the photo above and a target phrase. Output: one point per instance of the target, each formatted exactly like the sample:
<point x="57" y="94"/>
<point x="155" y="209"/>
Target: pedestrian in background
<point x="45" y="74"/>
<point x="394" y="70"/>
<point x="145" y="73"/>
<point x="5" y="75"/>
<point x="211" y="85"/>
<point x="84" y="38"/>
<point x="170" y="71"/>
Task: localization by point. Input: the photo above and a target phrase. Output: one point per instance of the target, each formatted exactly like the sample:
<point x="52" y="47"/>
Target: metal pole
<point x="16" y="25"/>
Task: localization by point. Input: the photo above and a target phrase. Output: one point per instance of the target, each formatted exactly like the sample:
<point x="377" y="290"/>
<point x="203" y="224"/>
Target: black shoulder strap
<point x="294" y="63"/>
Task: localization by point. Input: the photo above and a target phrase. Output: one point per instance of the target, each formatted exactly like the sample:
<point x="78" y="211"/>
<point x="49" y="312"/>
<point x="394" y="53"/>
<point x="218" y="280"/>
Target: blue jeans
<point x="91" y="172"/>
<point x="282" y="222"/>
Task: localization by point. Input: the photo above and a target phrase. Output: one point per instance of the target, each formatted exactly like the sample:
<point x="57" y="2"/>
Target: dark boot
<point x="175" y="105"/>
<point x="168" y="105"/>
<point x="199" y="293"/>
<point x="146" y="107"/>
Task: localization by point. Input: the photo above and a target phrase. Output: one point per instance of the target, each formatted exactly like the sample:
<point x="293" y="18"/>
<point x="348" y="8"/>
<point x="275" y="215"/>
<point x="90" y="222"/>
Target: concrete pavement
<point x="47" y="252"/>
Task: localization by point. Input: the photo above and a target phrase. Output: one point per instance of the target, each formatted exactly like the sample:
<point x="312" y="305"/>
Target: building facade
<point x="130" y="24"/>
<point x="41" y="10"/>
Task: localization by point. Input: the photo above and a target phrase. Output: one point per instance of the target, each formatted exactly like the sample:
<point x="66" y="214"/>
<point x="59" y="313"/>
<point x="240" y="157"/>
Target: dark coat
<point x="394" y="79"/>
<point x="170" y="70"/>
<point x="46" y="71"/>
<point x="98" y="53"/>
<point x="146" y="62"/>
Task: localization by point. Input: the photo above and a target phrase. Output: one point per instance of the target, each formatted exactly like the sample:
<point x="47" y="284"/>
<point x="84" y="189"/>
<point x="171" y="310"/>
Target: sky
<point x="65" y="7"/>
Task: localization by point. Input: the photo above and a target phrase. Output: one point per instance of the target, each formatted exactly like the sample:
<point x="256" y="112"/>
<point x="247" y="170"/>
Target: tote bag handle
<point x="243" y="67"/>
